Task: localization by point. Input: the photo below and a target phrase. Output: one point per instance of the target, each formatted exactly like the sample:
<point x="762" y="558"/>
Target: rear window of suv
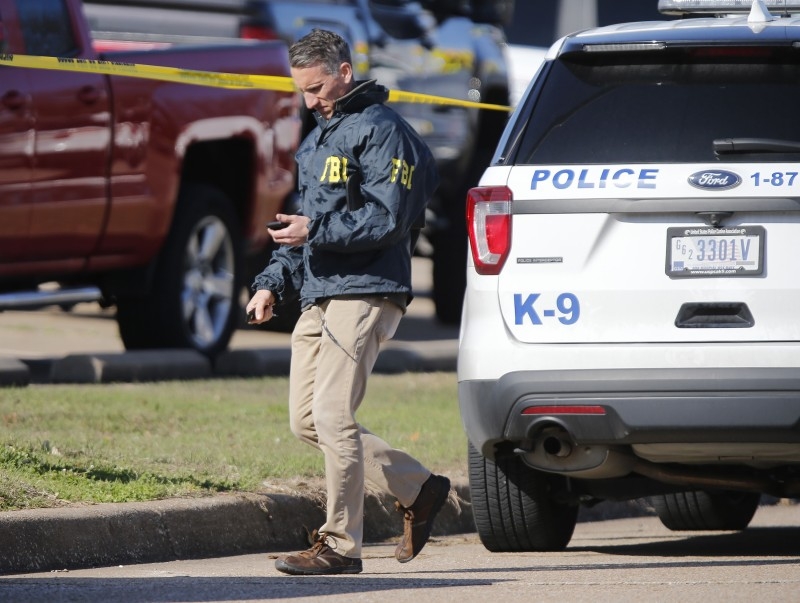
<point x="664" y="106"/>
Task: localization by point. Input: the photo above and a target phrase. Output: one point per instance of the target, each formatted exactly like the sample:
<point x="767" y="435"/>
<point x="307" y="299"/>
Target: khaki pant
<point x="334" y="348"/>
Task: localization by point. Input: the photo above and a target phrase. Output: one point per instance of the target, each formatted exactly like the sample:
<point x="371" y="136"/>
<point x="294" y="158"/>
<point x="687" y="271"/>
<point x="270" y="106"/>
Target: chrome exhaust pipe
<point x="552" y="449"/>
<point x="557" y="446"/>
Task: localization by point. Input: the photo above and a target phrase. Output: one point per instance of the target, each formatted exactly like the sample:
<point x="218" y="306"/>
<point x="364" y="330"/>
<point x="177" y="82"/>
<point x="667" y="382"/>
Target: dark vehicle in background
<point x="143" y="194"/>
<point x="450" y="48"/>
<point x="542" y="22"/>
<point x="536" y="25"/>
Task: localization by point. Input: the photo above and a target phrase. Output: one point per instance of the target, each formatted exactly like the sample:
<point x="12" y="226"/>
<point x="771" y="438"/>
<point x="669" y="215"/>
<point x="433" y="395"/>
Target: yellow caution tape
<point x="152" y="72"/>
<point x="398" y="96"/>
<point x="207" y="78"/>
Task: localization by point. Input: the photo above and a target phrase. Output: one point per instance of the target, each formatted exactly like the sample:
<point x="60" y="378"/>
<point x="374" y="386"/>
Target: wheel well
<point x="228" y="165"/>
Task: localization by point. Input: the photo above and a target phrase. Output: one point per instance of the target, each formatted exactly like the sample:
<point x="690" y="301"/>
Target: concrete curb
<point x="132" y="533"/>
<point x="13" y="373"/>
<point x="145" y="365"/>
<point x="429" y="356"/>
<point x="267" y="362"/>
<point x="162" y="365"/>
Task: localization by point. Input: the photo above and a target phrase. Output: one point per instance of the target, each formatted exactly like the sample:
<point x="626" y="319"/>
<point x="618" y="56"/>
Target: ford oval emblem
<point x="717" y="180"/>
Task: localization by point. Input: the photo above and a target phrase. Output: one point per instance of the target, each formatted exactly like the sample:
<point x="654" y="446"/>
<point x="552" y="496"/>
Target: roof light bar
<point x="715" y="7"/>
<point x="624" y="47"/>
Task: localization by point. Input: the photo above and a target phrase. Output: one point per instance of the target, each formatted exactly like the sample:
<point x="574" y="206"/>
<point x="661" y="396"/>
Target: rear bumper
<point x="638" y="406"/>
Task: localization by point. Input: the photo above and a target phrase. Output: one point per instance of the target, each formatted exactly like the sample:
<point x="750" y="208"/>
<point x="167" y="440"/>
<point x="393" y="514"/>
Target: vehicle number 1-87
<point x="776" y="179"/>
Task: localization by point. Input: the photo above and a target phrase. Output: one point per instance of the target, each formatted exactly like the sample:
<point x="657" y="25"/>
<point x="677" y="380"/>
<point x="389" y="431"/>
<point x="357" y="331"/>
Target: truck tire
<point x="193" y="302"/>
<point x="706" y="510"/>
<point x="513" y="509"/>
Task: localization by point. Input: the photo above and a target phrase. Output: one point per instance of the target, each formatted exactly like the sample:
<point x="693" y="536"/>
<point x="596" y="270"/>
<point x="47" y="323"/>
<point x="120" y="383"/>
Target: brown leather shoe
<point x="418" y="518"/>
<point x="320" y="559"/>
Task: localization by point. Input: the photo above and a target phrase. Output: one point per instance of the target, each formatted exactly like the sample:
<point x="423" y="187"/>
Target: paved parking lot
<point x="82" y="345"/>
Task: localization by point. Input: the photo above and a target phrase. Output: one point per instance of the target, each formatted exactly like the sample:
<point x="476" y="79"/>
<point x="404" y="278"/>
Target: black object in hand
<point x="277" y="225"/>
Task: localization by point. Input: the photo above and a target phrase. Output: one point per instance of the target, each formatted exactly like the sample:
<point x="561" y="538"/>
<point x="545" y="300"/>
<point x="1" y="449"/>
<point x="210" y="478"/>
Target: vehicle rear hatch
<point x="656" y="198"/>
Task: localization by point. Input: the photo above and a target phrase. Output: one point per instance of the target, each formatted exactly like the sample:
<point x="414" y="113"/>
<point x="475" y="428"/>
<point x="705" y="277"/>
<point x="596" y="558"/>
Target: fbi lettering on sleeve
<point x="403" y="171"/>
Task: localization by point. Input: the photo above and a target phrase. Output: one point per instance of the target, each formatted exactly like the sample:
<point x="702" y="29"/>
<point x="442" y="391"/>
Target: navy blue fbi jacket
<point x="364" y="251"/>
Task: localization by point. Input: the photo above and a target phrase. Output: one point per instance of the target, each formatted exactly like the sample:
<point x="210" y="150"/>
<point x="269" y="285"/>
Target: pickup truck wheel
<point x="193" y="302"/>
<point x="513" y="509"/>
<point x="706" y="510"/>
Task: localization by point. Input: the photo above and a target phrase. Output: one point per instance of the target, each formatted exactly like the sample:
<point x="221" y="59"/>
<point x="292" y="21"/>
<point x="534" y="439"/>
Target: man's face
<point x="321" y="89"/>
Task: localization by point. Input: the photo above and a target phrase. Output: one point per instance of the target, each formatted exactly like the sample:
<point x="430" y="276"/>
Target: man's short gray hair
<point x="320" y="46"/>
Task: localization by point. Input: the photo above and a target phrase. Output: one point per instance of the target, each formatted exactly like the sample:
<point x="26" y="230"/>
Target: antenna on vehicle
<point x="759" y="13"/>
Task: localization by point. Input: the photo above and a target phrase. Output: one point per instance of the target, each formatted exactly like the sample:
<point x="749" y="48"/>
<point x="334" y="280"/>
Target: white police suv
<point x="631" y="323"/>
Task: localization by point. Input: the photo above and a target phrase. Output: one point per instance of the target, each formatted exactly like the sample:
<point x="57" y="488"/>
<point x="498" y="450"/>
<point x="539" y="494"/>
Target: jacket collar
<point x="364" y="94"/>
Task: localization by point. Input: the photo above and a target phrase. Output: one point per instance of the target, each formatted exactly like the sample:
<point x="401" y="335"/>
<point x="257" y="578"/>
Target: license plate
<point x="705" y="251"/>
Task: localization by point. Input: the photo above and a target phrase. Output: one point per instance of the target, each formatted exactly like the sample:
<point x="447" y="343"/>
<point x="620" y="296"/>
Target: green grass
<point x="132" y="442"/>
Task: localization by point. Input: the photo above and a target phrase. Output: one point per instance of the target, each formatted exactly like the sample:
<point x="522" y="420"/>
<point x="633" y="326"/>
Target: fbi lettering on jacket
<point x="336" y="171"/>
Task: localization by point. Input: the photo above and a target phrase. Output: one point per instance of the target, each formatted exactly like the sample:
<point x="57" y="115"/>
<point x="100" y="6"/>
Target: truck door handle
<point x="89" y="95"/>
<point x="14" y="100"/>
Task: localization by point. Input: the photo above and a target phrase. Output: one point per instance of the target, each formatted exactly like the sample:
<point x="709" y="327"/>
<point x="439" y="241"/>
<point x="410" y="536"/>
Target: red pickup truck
<point x="148" y="195"/>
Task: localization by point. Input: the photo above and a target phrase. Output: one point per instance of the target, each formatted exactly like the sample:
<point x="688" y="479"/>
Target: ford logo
<point x="718" y="180"/>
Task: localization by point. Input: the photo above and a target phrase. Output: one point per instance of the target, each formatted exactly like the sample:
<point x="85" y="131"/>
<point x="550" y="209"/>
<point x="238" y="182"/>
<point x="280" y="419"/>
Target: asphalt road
<point x="634" y="559"/>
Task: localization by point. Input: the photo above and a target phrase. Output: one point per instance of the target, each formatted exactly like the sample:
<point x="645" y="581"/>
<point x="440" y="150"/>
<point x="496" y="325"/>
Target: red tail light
<point x="257" y="32"/>
<point x="489" y="227"/>
<point x="562" y="409"/>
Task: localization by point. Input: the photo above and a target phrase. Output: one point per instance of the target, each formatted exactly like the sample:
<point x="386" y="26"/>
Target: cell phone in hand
<point x="277" y="225"/>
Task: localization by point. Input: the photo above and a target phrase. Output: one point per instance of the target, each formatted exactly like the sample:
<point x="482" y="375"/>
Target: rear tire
<point x="513" y="507"/>
<point x="193" y="301"/>
<point x="706" y="510"/>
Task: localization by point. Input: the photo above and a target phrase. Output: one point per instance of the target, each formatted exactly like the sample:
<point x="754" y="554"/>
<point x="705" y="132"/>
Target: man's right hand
<point x="294" y="234"/>
<point x="260" y="308"/>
